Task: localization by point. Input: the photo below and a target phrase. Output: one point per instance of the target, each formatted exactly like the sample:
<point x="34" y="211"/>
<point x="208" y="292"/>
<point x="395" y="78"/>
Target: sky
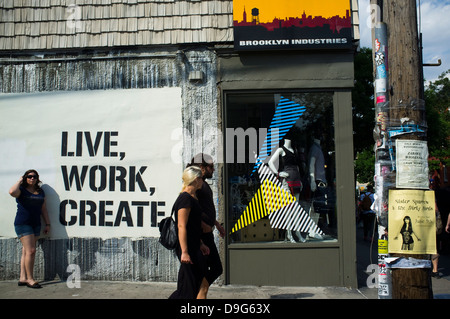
<point x="435" y="27"/>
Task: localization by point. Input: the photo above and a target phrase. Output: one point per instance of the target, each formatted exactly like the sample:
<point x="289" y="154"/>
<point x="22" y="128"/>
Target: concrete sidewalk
<point x="158" y="290"/>
<point x="161" y="290"/>
<point x="366" y="255"/>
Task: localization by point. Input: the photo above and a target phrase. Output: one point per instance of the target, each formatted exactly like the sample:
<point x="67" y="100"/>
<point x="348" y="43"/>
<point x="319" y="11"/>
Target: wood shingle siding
<point x="69" y="24"/>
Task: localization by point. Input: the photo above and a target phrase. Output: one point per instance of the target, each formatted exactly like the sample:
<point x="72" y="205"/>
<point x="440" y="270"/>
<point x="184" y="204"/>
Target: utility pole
<point x="400" y="115"/>
<point x="384" y="164"/>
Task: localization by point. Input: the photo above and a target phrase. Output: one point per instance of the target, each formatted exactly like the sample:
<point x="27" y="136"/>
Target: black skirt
<point x="190" y="276"/>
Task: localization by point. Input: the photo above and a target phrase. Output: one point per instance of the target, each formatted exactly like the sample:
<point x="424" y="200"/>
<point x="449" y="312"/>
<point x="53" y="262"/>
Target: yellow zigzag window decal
<point x="280" y="205"/>
<point x="268" y="199"/>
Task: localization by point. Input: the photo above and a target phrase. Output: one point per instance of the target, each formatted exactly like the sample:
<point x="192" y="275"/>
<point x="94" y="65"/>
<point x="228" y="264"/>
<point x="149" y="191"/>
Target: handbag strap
<point x="173" y="210"/>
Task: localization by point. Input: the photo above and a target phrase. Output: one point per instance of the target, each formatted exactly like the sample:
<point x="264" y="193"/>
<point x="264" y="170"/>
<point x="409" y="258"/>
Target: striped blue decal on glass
<point x="286" y="115"/>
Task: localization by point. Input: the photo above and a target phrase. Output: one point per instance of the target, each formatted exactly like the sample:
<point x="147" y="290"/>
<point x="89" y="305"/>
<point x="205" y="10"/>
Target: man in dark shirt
<point x="205" y="198"/>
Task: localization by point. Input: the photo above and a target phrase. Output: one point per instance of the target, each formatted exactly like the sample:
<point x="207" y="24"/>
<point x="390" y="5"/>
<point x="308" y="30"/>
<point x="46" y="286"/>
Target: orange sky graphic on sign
<point x="270" y="9"/>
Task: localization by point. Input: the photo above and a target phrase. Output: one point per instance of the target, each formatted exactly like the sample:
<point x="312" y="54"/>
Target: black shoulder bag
<point x="168" y="232"/>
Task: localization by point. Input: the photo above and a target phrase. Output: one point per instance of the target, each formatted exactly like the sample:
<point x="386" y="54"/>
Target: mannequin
<point x="316" y="165"/>
<point x="290" y="176"/>
<point x="290" y="168"/>
<point x="317" y="179"/>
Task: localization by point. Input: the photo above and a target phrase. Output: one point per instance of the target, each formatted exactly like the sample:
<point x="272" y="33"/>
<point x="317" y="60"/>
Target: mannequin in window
<point x="289" y="174"/>
<point x="317" y="178"/>
<point x="316" y="166"/>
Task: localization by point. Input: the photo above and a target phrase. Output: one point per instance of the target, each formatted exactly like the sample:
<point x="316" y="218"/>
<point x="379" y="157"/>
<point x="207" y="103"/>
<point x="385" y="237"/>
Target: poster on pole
<point x="412" y="164"/>
<point x="412" y="222"/>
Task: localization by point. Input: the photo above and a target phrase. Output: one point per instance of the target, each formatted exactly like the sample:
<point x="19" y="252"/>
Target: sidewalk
<point x="158" y="290"/>
<point x="366" y="255"/>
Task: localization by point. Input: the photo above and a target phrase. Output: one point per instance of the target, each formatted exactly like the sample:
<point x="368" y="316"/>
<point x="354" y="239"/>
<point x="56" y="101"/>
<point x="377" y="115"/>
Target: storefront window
<point x="280" y="166"/>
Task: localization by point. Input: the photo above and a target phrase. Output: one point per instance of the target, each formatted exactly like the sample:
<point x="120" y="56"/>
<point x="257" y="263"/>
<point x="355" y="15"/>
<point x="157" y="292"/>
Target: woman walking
<point x="206" y="201"/>
<point x="190" y="250"/>
<point x="31" y="206"/>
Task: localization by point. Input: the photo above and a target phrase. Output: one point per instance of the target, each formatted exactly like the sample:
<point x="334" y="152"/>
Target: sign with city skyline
<point x="291" y="24"/>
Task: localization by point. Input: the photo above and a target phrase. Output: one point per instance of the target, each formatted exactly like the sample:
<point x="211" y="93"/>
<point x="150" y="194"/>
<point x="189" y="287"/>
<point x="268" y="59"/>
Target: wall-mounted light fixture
<point x="196" y="76"/>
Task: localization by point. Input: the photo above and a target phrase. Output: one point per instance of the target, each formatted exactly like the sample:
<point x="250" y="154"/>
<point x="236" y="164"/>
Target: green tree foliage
<point x="365" y="166"/>
<point x="363" y="101"/>
<point x="437" y="103"/>
<point x="363" y="116"/>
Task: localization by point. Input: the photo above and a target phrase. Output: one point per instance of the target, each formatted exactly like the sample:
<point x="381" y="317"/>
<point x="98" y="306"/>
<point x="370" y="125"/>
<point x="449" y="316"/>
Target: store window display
<point x="299" y="169"/>
<point x="286" y="163"/>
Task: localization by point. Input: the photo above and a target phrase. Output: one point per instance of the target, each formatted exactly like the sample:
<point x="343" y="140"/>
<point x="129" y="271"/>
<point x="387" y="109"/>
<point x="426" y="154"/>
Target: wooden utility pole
<point x="406" y="109"/>
<point x="404" y="57"/>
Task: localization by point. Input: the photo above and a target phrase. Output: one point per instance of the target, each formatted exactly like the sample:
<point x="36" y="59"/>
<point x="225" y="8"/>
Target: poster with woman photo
<point x="412" y="222"/>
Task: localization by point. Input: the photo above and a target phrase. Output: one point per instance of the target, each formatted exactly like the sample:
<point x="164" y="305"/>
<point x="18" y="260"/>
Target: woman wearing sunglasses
<point x="30" y="200"/>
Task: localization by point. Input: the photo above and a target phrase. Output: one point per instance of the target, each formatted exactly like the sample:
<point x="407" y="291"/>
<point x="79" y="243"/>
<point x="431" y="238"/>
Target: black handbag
<point x="168" y="232"/>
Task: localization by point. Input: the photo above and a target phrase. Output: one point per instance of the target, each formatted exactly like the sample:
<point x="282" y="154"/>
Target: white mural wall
<point x="110" y="161"/>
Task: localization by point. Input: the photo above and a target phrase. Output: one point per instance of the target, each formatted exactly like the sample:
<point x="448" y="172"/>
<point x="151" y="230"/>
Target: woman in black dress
<point x="190" y="250"/>
<point x="407" y="232"/>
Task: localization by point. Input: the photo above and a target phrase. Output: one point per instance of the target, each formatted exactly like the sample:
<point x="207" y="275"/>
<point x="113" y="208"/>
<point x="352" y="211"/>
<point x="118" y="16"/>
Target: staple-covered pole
<point x="406" y="120"/>
<point x="384" y="164"/>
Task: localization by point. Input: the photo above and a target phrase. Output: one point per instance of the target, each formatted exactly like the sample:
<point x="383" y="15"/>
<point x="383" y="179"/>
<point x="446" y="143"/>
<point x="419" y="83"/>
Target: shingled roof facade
<point x="73" y="24"/>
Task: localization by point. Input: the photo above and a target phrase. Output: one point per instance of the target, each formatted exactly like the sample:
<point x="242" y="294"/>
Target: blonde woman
<point x="190" y="250"/>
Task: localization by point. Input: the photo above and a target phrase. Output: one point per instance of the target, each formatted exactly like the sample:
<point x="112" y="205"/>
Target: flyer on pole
<point x="412" y="164"/>
<point x="412" y="222"/>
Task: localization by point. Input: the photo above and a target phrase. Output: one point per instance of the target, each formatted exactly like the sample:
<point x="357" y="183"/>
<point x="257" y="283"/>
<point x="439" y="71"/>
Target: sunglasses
<point x="31" y="176"/>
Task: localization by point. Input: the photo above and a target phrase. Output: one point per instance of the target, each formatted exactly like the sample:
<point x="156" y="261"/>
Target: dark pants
<point x="368" y="220"/>
<point x="213" y="263"/>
